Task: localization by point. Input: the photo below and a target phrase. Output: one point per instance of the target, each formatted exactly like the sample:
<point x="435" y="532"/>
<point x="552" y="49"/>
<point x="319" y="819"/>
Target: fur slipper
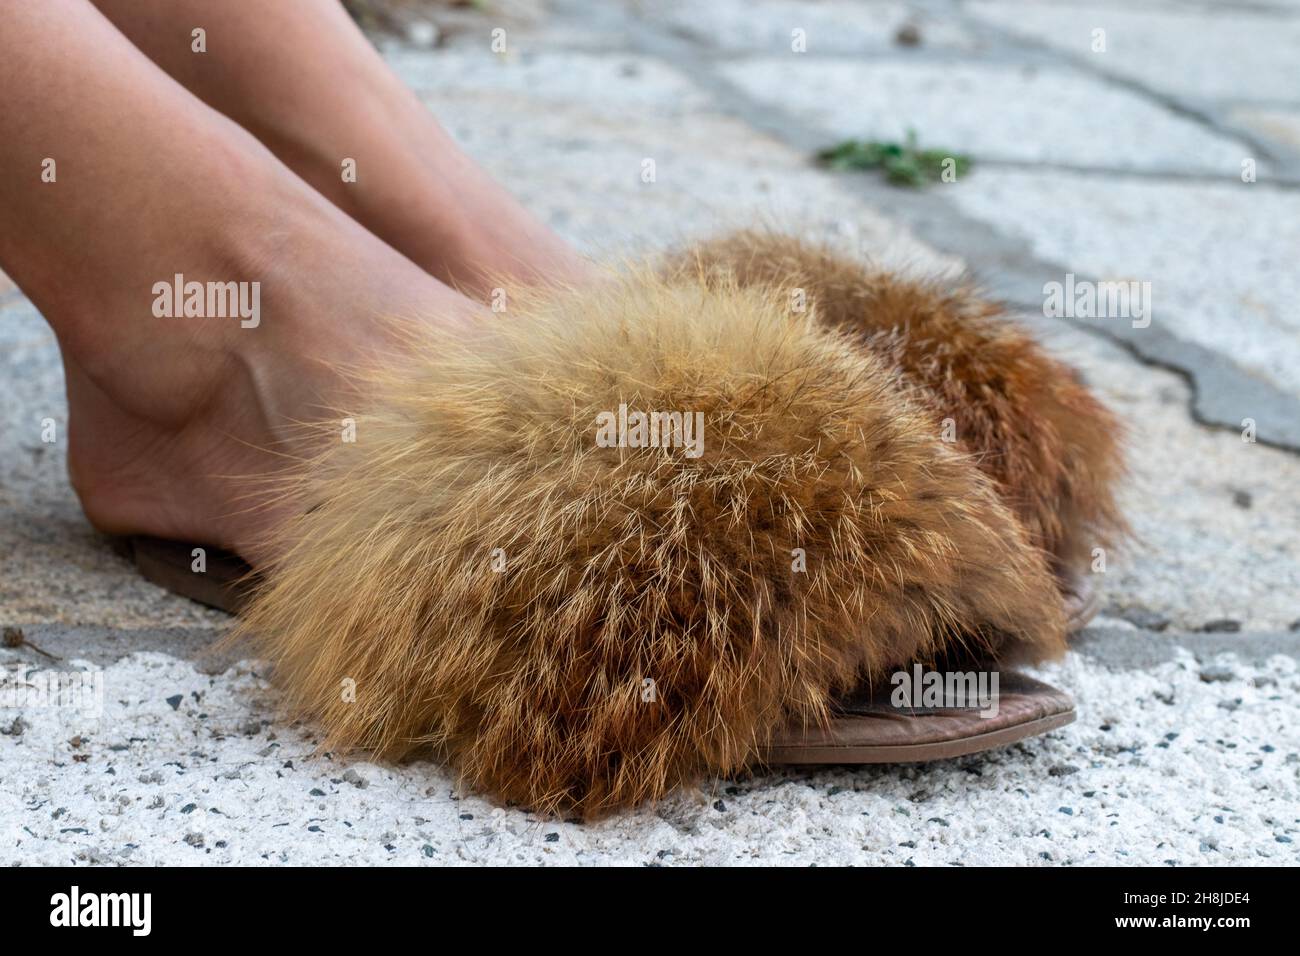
<point x="1053" y="450"/>
<point x="633" y="532"/>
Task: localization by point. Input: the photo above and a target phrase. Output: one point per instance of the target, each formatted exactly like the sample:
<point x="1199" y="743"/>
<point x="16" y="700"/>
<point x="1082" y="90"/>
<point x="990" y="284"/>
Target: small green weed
<point x="903" y="163"/>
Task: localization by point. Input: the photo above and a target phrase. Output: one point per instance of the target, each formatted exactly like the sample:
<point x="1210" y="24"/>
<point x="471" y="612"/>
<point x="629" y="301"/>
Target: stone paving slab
<point x="1184" y="50"/>
<point x="1220" y="257"/>
<point x="834" y="27"/>
<point x="1214" y="518"/>
<point x="993" y="112"/>
<point x="711" y="174"/>
<point x="1222" y="387"/>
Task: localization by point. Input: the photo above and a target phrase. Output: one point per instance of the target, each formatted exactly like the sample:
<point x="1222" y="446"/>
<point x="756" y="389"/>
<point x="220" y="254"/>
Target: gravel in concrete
<point x="1185" y="763"/>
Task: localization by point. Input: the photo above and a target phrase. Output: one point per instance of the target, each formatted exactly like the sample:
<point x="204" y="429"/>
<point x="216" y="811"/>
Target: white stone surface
<point x="1189" y="50"/>
<point x="579" y="158"/>
<point x="1214" y="518"/>
<point x="1184" y="764"/>
<point x="990" y="111"/>
<point x="828" y="26"/>
<point x="1221" y="257"/>
<point x="1280" y="125"/>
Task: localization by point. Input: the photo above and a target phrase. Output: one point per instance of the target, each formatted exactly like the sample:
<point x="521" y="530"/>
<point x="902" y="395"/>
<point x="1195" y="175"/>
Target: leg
<point x="301" y="77"/>
<point x="148" y="183"/>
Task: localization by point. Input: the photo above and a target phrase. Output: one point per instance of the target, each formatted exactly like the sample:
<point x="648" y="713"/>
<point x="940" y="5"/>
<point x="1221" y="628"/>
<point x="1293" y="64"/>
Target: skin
<point x="169" y="417"/>
<point x="300" y="76"/>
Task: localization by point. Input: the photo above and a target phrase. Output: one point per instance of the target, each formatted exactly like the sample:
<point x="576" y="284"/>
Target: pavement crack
<point x="1202" y="115"/>
<point x="1223" y="394"/>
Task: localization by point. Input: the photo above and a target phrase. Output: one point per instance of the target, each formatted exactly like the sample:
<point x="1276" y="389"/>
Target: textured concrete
<point x="1191" y="52"/>
<point x="1214" y="518"/>
<point x="1280" y="126"/>
<point x="993" y="111"/>
<point x="1186" y="761"/>
<point x="597" y="120"/>
<point x="1165" y="233"/>
<point x="832" y="27"/>
<point x="1135" y="649"/>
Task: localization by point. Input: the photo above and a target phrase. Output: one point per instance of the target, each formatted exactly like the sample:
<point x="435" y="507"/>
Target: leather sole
<point x="867" y="732"/>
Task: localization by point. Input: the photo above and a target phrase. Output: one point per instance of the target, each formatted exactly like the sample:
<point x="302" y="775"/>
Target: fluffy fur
<point x="623" y="565"/>
<point x="1052" y="448"/>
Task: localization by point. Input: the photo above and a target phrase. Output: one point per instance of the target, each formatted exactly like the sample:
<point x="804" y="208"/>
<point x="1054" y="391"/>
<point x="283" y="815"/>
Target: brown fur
<point x="627" y="564"/>
<point x="1052" y="448"/>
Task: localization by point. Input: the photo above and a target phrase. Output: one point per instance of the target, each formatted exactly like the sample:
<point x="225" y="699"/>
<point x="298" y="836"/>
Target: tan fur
<point x="1035" y="429"/>
<point x="628" y="564"/>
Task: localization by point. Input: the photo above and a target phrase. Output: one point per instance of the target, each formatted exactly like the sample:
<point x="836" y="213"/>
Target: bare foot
<point x="300" y="76"/>
<point x="174" y="429"/>
<point x="174" y="417"/>
<point x="175" y="421"/>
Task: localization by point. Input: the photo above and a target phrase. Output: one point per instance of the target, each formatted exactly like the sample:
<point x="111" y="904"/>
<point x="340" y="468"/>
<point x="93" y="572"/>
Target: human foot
<point x="177" y="421"/>
<point x="194" y="456"/>
<point x="368" y="144"/>
<point x="174" y="409"/>
<point x="178" y="428"/>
